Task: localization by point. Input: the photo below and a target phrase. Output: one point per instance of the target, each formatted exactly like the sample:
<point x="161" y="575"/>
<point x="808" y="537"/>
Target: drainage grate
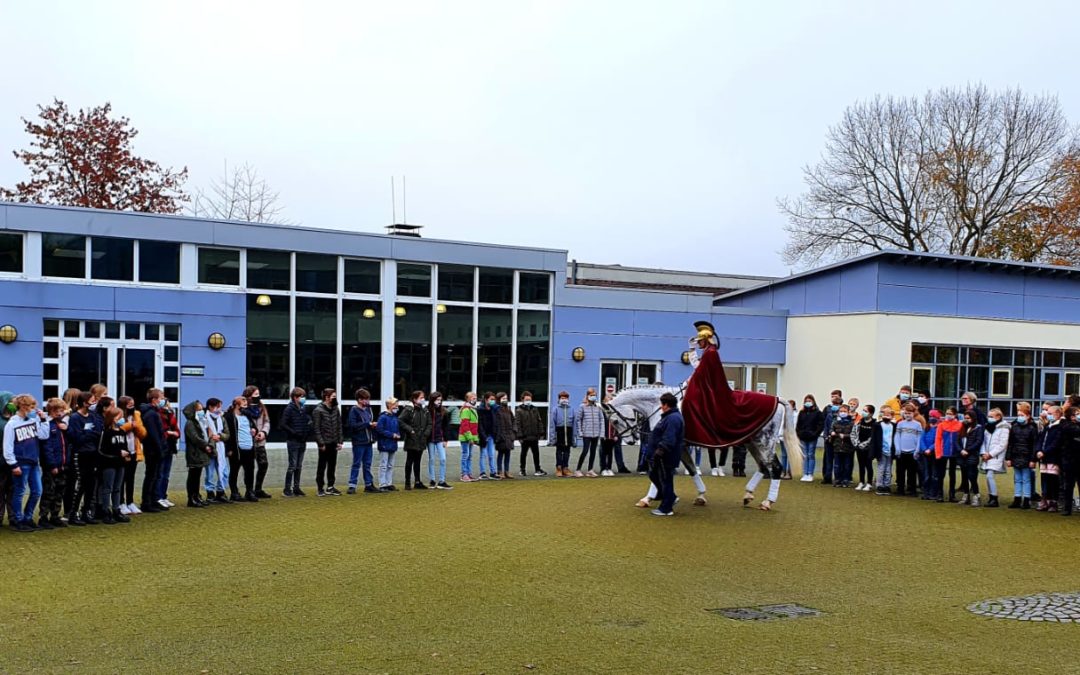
<point x="766" y="612"/>
<point x="1042" y="607"/>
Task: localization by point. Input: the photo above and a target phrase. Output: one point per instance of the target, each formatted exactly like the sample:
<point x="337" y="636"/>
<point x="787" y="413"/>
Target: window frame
<point x="241" y="267"/>
<point x="21" y="236"/>
<point x="995" y="393"/>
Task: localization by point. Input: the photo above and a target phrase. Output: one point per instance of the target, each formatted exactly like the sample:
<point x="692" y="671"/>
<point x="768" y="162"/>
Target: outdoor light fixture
<point x="441" y="309"/>
<point x="399" y="311"/>
<point x="216" y="341"/>
<point x="8" y="334"/>
<point x="369" y="313"/>
<point x="263" y="300"/>
<point x="578" y="354"/>
<point x="686" y="357"/>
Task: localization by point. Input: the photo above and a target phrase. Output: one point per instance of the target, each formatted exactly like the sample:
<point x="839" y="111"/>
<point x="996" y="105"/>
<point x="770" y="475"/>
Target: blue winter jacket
<point x="386" y="428"/>
<point x="84" y="432"/>
<point x="668" y="436"/>
<point x="54" y="450"/>
<point x="359" y="425"/>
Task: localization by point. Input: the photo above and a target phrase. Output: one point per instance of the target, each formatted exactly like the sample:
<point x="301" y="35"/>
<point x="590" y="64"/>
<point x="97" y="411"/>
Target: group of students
<point x="924" y="446"/>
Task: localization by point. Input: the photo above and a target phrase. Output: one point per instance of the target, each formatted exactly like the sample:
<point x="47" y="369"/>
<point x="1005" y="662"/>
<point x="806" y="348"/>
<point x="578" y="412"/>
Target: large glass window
<point x="63" y="255"/>
<point x="362" y="276"/>
<point x="496" y="285"/>
<point x="453" y="371"/>
<point x="493" y="351"/>
<point x="112" y="259"/>
<point x="414" y="280"/>
<point x="219" y="266"/>
<point x="316" y="273"/>
<point x="268" y="345"/>
<point x="533" y="353"/>
<point x="316" y="345"/>
<point x="456" y="283"/>
<point x="361" y="348"/>
<point x="534" y="288"/>
<point x="412" y="349"/>
<point x="11" y="252"/>
<point x="159" y="262"/>
<point x="268" y="269"/>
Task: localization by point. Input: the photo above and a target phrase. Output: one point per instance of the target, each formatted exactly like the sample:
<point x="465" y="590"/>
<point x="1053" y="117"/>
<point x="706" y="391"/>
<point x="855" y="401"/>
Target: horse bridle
<point x="631" y="423"/>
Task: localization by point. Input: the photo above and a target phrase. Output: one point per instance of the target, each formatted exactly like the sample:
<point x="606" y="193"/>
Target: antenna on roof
<point x="393" y="202"/>
<point x="404" y="202"/>
<point x="402" y="229"/>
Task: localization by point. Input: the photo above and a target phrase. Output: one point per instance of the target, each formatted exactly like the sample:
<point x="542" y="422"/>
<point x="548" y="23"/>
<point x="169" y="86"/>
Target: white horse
<point x="644" y="400"/>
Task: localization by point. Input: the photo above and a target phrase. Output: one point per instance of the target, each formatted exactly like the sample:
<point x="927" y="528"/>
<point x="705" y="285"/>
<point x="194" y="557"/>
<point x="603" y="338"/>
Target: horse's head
<point x="622" y="418"/>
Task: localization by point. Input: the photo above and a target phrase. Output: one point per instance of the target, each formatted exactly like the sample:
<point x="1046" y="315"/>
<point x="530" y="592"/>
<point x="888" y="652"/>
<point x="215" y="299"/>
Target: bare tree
<point x="240" y="195"/>
<point x="945" y="173"/>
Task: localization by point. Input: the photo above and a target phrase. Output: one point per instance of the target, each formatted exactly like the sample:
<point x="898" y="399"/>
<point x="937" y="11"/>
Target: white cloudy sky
<point x="645" y="133"/>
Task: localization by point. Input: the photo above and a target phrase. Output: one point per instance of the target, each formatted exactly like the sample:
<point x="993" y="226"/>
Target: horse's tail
<point x="791" y="440"/>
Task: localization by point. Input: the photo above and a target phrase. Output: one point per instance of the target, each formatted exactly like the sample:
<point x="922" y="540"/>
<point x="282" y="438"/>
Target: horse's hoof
<point x="700" y="501"/>
<point x="766" y="505"/>
<point x="747" y="498"/>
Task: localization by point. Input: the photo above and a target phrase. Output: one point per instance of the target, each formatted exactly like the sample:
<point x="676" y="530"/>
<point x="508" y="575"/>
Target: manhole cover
<point x="1045" y="607"/>
<point x="766" y="612"/>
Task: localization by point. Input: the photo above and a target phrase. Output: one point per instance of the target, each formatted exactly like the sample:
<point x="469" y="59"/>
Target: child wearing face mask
<point x="562" y="431"/>
<point x="831" y="411"/>
<point x="326" y="420"/>
<point x="528" y="426"/>
<point x="843" y="448"/>
<point x="995" y="446"/>
<point x="436" y="446"/>
<point x="362" y="432"/>
<point x="296" y="423"/>
<point x="468" y="436"/>
<point x="809" y="426"/>
<point x="887" y="452"/>
<point x="909" y="433"/>
<point x="972" y="437"/>
<point x="1020" y="455"/>
<point x="947" y="452"/>
<point x="1070" y="458"/>
<point x="489" y="433"/>
<point x="217" y="473"/>
<point x="504" y="442"/>
<point x="866" y="437"/>
<point x="926" y="455"/>
<point x="1049" y="456"/>
<point x="590" y="425"/>
<point x="388" y="431"/>
<point x="416" y="427"/>
<point x="197" y="453"/>
<point x="131" y="423"/>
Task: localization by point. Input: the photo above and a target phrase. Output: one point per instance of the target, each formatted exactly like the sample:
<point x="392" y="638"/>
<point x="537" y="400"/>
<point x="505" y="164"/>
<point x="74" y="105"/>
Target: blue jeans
<point x="163" y="475"/>
<point x="30" y="478"/>
<point x="466" y="458"/>
<point x="843" y="467"/>
<point x="663" y="475"/>
<point x="361" y="458"/>
<point x="884" y="469"/>
<point x="827" y="461"/>
<point x="1022" y="480"/>
<point x="783" y="457"/>
<point x="386" y="468"/>
<point x="487" y="453"/>
<point x="217" y="472"/>
<point x="436" y="462"/>
<point x="809" y="451"/>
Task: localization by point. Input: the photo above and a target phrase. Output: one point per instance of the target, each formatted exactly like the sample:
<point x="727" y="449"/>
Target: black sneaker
<point x="385" y="488"/>
<point x="44" y="524"/>
<point x="287" y="493"/>
<point x="351" y="490"/>
<point x="444" y="486"/>
<point x="21" y="527"/>
<point x="371" y="488"/>
<point x="299" y="493"/>
<point x="76" y="521"/>
<point x="108" y="520"/>
<point x="57" y="522"/>
<point x="194" y="504"/>
<point x="391" y="488"/>
<point x="622" y="469"/>
<point x="262" y="494"/>
<point x="522" y="473"/>
<point x="250" y="497"/>
<point x="121" y="518"/>
<point x="421" y="486"/>
<point x="333" y="491"/>
<point x="322" y="493"/>
<point x="235" y="497"/>
<point x="431" y="484"/>
<point x="408" y="486"/>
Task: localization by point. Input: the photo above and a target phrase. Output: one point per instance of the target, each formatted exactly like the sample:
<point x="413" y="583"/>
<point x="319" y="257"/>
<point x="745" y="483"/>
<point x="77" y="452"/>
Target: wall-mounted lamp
<point x="441" y="309"/>
<point x="399" y="311"/>
<point x="8" y="334"/>
<point x="686" y="357"/>
<point x="578" y="354"/>
<point x="216" y="341"/>
<point x="263" y="300"/>
<point x="369" y="313"/>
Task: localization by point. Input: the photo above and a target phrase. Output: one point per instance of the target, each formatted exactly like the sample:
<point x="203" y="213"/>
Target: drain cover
<point x="766" y="612"/>
<point x="1045" y="607"/>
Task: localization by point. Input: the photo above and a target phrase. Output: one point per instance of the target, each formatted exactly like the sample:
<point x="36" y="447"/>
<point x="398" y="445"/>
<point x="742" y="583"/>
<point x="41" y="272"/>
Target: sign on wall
<point x="609" y="385"/>
<point x="193" y="371"/>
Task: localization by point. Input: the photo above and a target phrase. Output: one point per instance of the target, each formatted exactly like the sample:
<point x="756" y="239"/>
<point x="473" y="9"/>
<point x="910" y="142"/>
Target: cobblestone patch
<point x="1040" y="608"/>
<point x="766" y="612"/>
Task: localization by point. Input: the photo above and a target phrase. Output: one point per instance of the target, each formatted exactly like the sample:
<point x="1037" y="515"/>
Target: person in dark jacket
<point x="83" y="438"/>
<point x="969" y="402"/>
<point x="528" y="428"/>
<point x="665" y="452"/>
<point x="22" y="455"/>
<point x="113" y="453"/>
<point x="1020" y="455"/>
<point x="170" y="423"/>
<point x="866" y="439"/>
<point x="296" y="423"/>
<point x="388" y="431"/>
<point x="504" y="440"/>
<point x="809" y="428"/>
<point x="489" y="430"/>
<point x="1070" y="459"/>
<point x="327" y="422"/>
<point x="240" y="450"/>
<point x="837" y="398"/>
<point x="260" y="425"/>
<point x="197" y="452"/>
<point x="972" y="437"/>
<point x="55" y="459"/>
<point x="438" y="432"/>
<point x="154" y="448"/>
<point x="361" y="426"/>
<point x="1049" y="456"/>
<point x="416" y="426"/>
<point x="843" y="448"/>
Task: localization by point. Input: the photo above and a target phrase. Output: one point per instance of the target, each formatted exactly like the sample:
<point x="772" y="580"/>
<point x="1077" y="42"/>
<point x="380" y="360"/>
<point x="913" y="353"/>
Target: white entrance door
<point x="126" y="371"/>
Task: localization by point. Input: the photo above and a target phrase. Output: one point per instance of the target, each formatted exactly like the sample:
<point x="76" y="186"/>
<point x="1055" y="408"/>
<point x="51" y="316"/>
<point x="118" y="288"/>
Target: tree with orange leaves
<point x="85" y="158"/>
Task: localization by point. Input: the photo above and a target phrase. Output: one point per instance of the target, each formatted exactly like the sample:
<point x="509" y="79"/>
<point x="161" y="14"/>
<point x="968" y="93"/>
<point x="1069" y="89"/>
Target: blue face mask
<point x="808" y="404"/>
<point x="1022" y="419"/>
<point x="302" y="401"/>
<point x="844" y="415"/>
<point x="904" y="397"/>
<point x="835" y="407"/>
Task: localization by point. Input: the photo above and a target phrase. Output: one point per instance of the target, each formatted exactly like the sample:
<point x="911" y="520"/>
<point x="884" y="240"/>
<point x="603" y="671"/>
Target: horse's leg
<point x="764" y="451"/>
<point x="691" y="468"/>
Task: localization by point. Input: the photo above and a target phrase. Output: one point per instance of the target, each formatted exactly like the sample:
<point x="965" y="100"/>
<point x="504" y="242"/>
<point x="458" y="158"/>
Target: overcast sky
<point x="642" y="133"/>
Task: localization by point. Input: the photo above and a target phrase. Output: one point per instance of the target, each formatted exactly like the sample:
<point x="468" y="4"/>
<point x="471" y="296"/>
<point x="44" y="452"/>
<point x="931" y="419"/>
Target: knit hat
<point x="935" y="414"/>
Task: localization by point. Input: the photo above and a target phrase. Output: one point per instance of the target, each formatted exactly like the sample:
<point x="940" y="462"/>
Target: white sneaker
<point x="868" y="487"/>
<point x="163" y="503"/>
<point x="859" y="486"/>
<point x="721" y="473"/>
<point x="133" y="510"/>
<point x="714" y="472"/>
<point x="124" y="509"/>
<point x="806" y="479"/>
<point x="699" y="471"/>
<point x="168" y="503"/>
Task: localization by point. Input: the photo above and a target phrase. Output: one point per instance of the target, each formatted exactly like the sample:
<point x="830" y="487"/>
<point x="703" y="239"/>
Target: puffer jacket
<point x="327" y="423"/>
<point x="1070" y="444"/>
<point x="1023" y="439"/>
<point x="1050" y="443"/>
<point x="528" y="423"/>
<point x="296" y="423"/>
<point x="504" y="439"/>
<point x="971" y="442"/>
<point x="416" y="427"/>
<point x="197" y="444"/>
<point x="590" y="421"/>
<point x="810" y="424"/>
<point x="841" y="435"/>
<point x="996" y="445"/>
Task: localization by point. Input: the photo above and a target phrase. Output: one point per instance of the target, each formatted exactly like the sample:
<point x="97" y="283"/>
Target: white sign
<point x="609" y="385"/>
<point x="731" y="384"/>
<point x="193" y="371"/>
<point x="643" y="380"/>
<point x="762" y="388"/>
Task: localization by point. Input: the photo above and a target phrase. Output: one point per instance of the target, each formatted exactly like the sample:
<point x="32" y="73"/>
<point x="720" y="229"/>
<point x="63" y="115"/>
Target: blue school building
<point x="203" y="308"/>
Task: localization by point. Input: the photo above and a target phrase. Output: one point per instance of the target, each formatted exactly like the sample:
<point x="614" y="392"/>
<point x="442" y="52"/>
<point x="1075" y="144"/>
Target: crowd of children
<point x="927" y="448"/>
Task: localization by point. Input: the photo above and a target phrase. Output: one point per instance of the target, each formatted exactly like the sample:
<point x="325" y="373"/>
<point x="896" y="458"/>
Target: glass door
<point x="136" y="372"/>
<point x="86" y="365"/>
<point x="126" y="371"/>
<point x="644" y="373"/>
<point x="612" y="377"/>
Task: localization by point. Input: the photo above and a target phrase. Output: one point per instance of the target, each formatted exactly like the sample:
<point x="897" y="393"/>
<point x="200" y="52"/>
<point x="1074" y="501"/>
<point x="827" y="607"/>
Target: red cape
<point x="717" y="416"/>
